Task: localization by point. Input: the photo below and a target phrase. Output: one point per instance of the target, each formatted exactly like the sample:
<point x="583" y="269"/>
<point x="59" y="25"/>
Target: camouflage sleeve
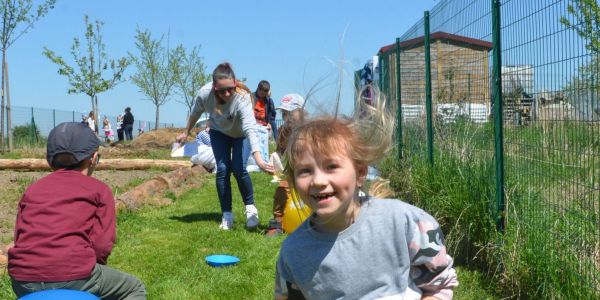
<point x="281" y="291"/>
<point x="431" y="267"/>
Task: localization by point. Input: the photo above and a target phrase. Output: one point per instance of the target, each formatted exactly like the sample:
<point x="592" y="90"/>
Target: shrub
<point x="24" y="132"/>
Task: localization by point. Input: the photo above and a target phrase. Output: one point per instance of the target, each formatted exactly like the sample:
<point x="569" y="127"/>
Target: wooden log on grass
<point x="3" y="263"/>
<point x="36" y="164"/>
<point x="4" y="257"/>
<point x="150" y="192"/>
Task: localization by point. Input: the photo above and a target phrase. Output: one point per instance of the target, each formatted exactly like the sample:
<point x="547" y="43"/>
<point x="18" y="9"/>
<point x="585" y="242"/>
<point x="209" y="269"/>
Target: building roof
<point x="451" y="38"/>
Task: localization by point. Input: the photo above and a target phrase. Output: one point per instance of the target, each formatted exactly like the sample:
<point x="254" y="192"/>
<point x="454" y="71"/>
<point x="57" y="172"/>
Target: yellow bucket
<point x="295" y="212"/>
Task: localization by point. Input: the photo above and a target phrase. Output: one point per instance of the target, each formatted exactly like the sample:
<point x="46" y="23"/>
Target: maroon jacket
<point x="65" y="225"/>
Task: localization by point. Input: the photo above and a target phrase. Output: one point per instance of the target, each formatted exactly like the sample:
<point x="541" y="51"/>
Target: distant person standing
<point x="91" y="121"/>
<point x="107" y="128"/>
<point x="128" y="124"/>
<point x="264" y="113"/>
<point x="120" y="127"/>
<point x="264" y="109"/>
<point x="142" y="128"/>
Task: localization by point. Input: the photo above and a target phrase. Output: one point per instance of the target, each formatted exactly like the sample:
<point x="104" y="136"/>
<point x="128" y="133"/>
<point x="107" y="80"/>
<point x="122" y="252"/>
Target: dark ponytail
<point x="223" y="71"/>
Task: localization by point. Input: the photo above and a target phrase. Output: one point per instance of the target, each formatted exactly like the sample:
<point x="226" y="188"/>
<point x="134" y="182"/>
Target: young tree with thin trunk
<point x="191" y="75"/>
<point x="17" y="19"/>
<point x="92" y="65"/>
<point x="157" y="68"/>
<point x="584" y="87"/>
<point x="586" y="22"/>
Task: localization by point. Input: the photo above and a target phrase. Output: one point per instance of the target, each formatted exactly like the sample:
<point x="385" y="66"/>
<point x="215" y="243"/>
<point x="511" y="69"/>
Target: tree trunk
<point x="2" y="141"/>
<point x="96" y="114"/>
<point x="105" y="164"/>
<point x="157" y="114"/>
<point x="93" y="111"/>
<point x="8" y="112"/>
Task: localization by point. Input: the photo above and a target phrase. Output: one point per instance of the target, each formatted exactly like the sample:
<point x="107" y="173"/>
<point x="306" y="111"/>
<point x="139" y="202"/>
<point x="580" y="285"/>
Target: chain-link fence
<point x="30" y="125"/>
<point x="512" y="88"/>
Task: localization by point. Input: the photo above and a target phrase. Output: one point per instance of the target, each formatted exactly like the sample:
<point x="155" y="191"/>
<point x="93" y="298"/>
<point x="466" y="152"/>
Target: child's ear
<point x="94" y="158"/>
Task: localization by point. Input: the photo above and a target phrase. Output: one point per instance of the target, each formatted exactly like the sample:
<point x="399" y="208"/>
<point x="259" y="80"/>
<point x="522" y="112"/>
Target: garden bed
<point x="13" y="184"/>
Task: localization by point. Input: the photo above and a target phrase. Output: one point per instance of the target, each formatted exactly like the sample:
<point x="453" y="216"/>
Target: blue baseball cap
<point x="73" y="138"/>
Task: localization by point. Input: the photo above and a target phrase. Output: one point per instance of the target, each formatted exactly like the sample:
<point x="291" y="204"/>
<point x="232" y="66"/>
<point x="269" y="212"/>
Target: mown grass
<point x="165" y="247"/>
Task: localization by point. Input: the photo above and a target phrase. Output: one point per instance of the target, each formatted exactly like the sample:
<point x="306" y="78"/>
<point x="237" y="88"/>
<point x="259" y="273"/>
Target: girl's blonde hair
<point x="365" y="137"/>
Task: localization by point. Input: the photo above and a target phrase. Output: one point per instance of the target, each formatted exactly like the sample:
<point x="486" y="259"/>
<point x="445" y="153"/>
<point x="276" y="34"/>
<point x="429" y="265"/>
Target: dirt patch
<point x="160" y="138"/>
<point x="13" y="184"/>
<point x="155" y="144"/>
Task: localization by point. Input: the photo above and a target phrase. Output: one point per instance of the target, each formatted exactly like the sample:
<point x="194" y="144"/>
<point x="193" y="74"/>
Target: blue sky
<point x="293" y="44"/>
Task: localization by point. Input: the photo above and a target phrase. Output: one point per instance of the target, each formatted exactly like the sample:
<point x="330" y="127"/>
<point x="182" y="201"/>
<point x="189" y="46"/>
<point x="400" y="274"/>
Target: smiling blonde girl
<point x="356" y="245"/>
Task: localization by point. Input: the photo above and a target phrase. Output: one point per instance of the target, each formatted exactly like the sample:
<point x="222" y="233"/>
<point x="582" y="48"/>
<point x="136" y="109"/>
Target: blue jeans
<point x="230" y="158"/>
<point x="128" y="128"/>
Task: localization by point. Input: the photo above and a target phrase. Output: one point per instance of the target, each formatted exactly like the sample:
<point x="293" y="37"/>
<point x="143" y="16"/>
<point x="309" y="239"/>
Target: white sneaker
<point x="251" y="216"/>
<point x="226" y="221"/>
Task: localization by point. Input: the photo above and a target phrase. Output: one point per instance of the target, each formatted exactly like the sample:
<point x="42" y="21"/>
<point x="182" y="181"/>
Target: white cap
<point x="291" y="102"/>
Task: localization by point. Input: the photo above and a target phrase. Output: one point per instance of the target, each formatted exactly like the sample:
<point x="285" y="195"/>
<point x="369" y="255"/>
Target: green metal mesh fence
<point x="552" y="141"/>
<point x="549" y="134"/>
<point x="31" y="125"/>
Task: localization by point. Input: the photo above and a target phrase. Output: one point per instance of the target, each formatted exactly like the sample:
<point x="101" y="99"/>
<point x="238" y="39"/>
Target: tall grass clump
<point x="458" y="195"/>
<point x="549" y="252"/>
<point x="550" y="248"/>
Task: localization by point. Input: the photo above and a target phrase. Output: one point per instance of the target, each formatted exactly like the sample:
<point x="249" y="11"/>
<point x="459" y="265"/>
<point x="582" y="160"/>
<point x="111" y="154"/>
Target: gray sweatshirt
<point x="392" y="251"/>
<point x="234" y="118"/>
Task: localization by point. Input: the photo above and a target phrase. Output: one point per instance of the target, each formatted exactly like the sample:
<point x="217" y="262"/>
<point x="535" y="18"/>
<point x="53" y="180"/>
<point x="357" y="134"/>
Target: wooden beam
<point x="105" y="164"/>
<point x="150" y="192"/>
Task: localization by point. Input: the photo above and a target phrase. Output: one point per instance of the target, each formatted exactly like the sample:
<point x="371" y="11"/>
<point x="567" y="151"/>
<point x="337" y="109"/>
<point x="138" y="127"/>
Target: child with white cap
<point x="292" y="111"/>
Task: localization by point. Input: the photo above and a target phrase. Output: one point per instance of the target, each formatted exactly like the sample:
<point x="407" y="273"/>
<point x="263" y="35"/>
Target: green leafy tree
<point x="17" y="19"/>
<point x="191" y="75"/>
<point x="585" y="21"/>
<point x="157" y="68"/>
<point x="583" y="89"/>
<point x="89" y="78"/>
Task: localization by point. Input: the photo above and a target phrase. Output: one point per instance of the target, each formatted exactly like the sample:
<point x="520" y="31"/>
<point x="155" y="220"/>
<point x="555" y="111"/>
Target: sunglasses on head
<point x="221" y="91"/>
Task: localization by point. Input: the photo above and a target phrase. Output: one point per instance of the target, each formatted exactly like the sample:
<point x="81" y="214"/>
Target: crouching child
<point x="65" y="228"/>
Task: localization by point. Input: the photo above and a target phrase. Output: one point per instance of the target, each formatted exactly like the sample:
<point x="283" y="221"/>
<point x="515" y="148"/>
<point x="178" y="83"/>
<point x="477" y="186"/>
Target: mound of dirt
<point x="159" y="138"/>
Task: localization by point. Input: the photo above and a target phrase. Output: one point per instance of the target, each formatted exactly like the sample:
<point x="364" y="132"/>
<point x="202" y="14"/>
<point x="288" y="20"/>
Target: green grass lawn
<point x="165" y="247"/>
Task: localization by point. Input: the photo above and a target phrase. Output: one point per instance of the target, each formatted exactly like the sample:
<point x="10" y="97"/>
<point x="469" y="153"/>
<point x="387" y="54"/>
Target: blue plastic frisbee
<point x="221" y="260"/>
<point x="59" y="295"/>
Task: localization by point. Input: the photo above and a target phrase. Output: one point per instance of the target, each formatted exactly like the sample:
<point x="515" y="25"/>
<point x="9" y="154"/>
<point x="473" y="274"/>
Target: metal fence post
<point x="379" y="61"/>
<point x="497" y="102"/>
<point x="32" y="128"/>
<point x="428" y="90"/>
<point x="385" y="70"/>
<point x="398" y="101"/>
<point x="53" y="118"/>
<point x="356" y="85"/>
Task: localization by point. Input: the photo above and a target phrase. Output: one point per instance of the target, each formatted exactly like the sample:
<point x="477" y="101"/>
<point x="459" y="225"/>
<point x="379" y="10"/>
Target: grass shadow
<point x="198" y="217"/>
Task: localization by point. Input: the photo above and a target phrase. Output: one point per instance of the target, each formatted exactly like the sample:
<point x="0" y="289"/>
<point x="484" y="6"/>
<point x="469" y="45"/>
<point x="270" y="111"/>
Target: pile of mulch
<point x="159" y="138"/>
